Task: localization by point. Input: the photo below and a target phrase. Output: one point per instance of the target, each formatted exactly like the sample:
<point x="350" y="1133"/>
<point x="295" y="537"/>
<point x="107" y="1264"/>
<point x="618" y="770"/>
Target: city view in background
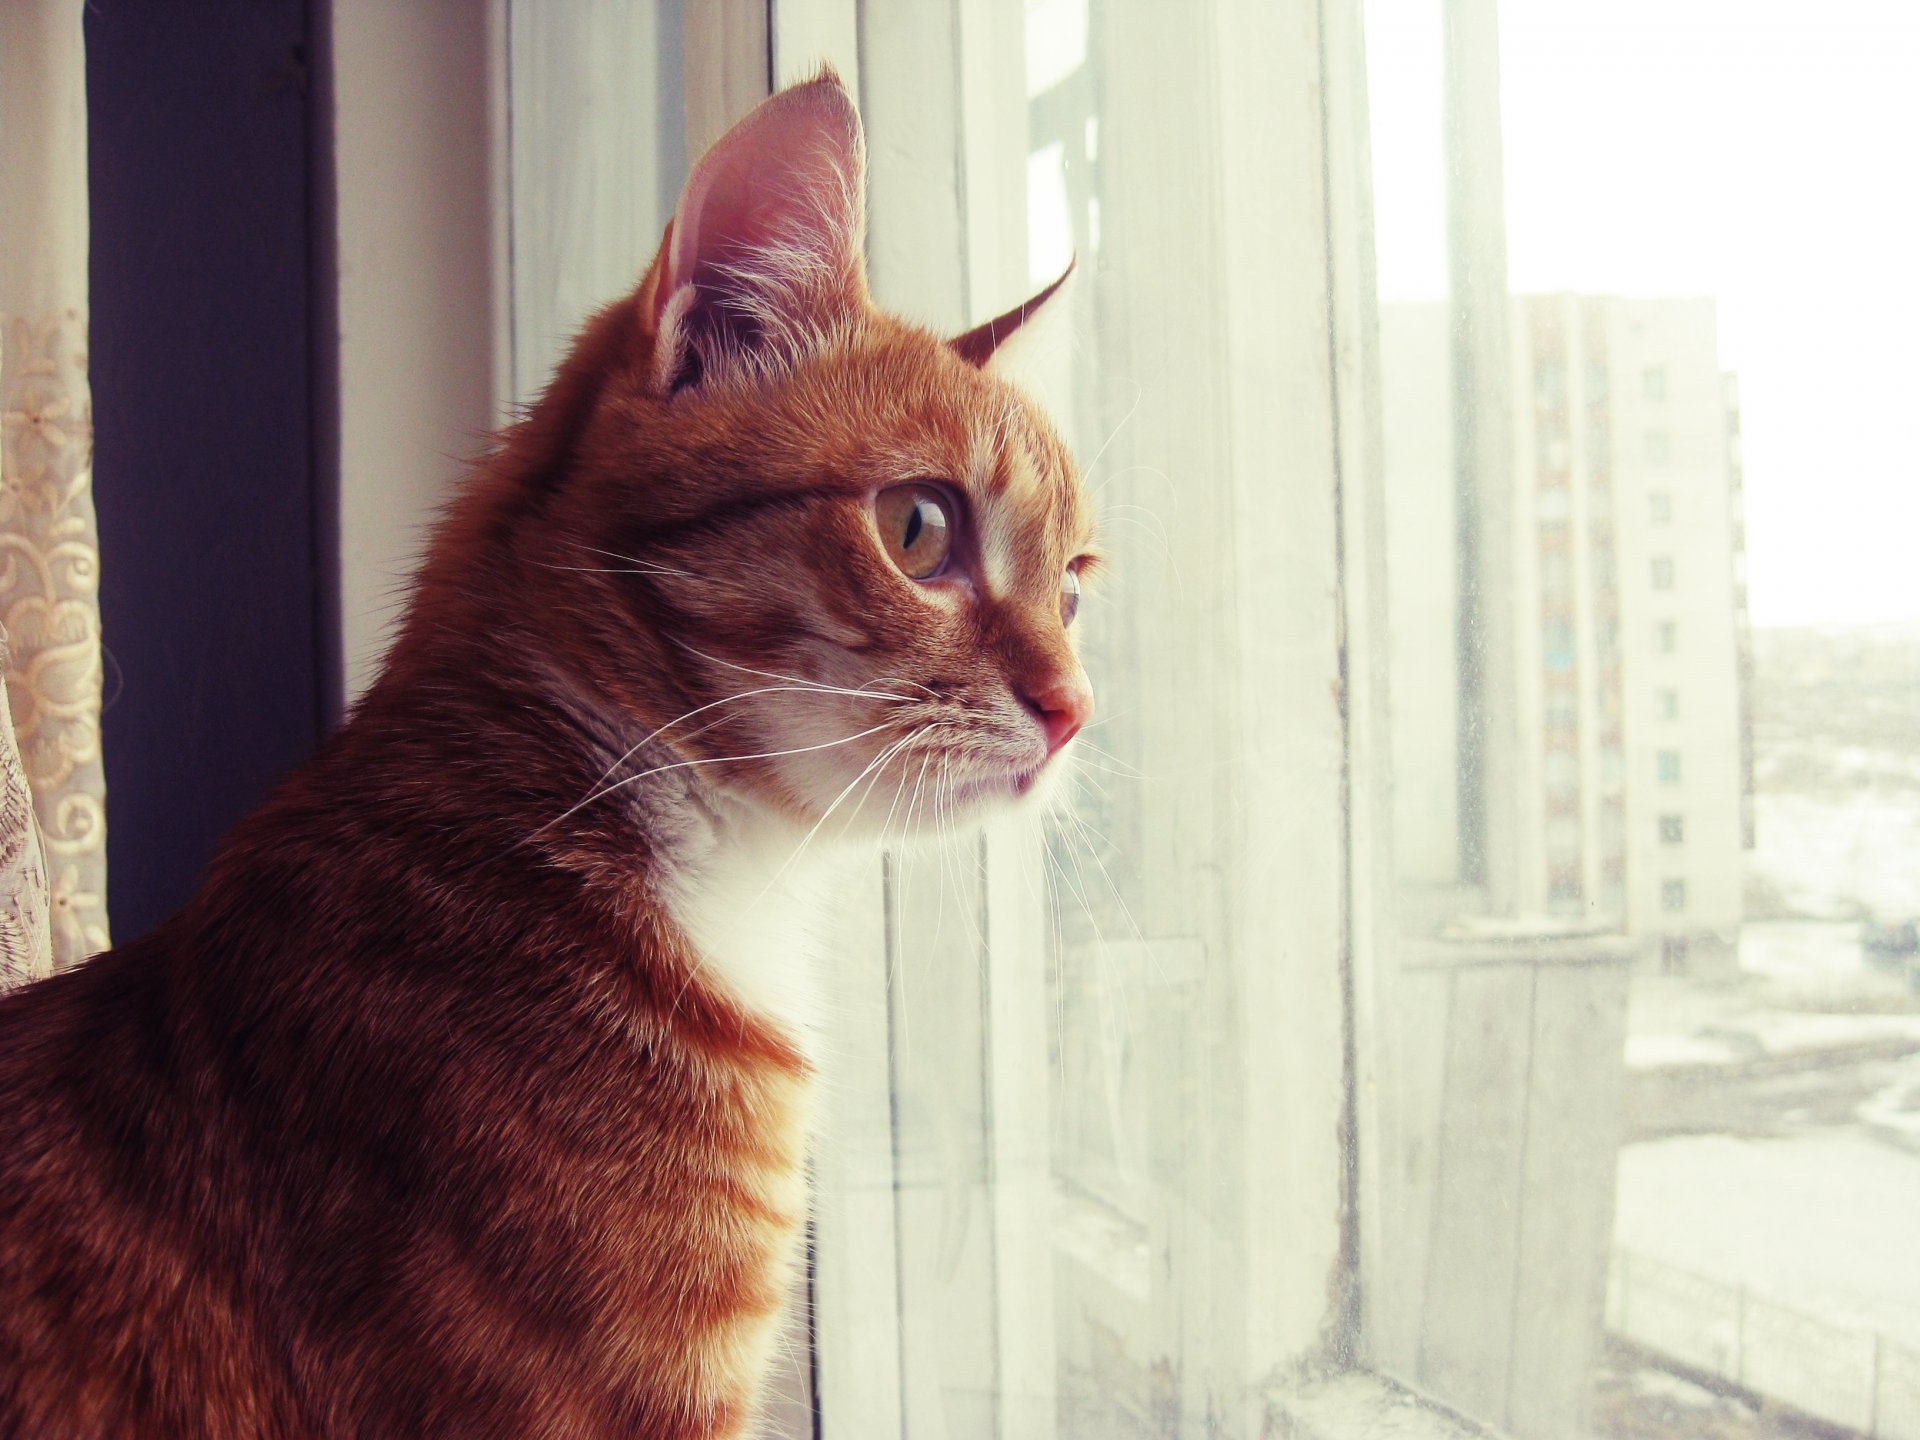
<point x="1656" y="732"/>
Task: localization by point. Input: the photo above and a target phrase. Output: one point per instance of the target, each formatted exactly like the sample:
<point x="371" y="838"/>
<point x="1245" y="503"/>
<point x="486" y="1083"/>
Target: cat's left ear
<point x="763" y="258"/>
<point x="988" y="346"/>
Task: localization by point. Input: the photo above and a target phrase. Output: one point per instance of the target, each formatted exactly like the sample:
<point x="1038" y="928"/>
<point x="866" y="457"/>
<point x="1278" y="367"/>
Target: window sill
<point x="1361" y="1403"/>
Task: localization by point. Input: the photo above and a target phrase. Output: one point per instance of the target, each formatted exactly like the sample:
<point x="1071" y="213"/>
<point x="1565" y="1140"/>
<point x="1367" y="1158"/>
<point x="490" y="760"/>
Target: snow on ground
<point x="1821" y="1223"/>
<point x="1832" y="852"/>
<point x="1804" y="986"/>
<point x="1896" y="1108"/>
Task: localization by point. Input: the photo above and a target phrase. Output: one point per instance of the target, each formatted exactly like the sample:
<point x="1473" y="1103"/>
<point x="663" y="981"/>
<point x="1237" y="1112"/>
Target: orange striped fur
<point x="470" y="1096"/>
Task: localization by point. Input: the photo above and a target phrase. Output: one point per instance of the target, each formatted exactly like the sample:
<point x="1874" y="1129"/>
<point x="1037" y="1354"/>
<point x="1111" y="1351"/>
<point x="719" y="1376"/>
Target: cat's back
<point x="110" y="1317"/>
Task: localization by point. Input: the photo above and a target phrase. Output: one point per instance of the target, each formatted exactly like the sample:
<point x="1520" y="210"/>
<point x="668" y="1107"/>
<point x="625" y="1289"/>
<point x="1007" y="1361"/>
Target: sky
<point x="1762" y="152"/>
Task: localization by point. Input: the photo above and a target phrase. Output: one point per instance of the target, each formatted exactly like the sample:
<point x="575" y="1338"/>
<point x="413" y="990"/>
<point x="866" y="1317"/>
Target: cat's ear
<point x="990" y="345"/>
<point x="763" y="257"/>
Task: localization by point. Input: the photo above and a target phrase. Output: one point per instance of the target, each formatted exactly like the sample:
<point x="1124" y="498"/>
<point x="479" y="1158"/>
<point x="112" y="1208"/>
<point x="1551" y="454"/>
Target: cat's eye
<point x="916" y="527"/>
<point x="1069" y="596"/>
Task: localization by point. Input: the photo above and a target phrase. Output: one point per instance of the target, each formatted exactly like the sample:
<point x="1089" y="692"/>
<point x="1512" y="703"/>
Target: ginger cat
<point x="469" y="1097"/>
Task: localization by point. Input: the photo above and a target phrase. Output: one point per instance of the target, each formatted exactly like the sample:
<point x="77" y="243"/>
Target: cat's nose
<point x="1062" y="705"/>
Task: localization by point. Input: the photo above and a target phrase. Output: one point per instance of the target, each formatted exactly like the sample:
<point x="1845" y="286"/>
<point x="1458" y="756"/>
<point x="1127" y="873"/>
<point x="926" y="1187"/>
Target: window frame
<point x="1309" y="1274"/>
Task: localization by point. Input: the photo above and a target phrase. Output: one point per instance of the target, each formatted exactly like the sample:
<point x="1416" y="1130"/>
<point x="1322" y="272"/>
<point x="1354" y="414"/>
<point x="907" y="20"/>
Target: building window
<point x="1673" y="829"/>
<point x="1663" y="572"/>
<point x="1659" y="447"/>
<point x="1556" y="573"/>
<point x="1613" y="766"/>
<point x="1550" y="382"/>
<point x="1603" y="566"/>
<point x="1660" y="507"/>
<point x="1653" y="382"/>
<point x="1673" y="954"/>
<point x="1563" y="842"/>
<point x="1668" y="767"/>
<point x="1666" y="637"/>
<point x="1669" y="704"/>
<point x="1564" y="891"/>
<point x="1556" y="645"/>
<point x="1599" y="448"/>
<point x="1555" y="505"/>
<point x="1673" y="896"/>
<point x="1562" y="773"/>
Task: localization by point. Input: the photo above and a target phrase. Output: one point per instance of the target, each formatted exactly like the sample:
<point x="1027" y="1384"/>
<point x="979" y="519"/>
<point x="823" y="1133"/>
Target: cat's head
<point x="835" y="555"/>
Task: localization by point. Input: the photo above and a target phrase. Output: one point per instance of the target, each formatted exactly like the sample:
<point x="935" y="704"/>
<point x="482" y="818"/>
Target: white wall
<point x="418" y="253"/>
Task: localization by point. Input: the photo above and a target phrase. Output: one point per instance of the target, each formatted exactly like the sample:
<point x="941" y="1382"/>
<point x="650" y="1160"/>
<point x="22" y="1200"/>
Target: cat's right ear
<point x="762" y="262"/>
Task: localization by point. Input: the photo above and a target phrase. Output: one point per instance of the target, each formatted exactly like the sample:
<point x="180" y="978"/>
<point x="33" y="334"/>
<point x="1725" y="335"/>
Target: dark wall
<point x="205" y="338"/>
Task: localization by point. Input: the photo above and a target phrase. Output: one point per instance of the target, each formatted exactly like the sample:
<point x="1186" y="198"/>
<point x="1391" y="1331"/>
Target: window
<point x="1596" y="373"/>
<point x="1556" y="644"/>
<point x="1613" y="766"/>
<point x="1091" y="1085"/>
<point x="1563" y="840"/>
<point x="1603" y="566"/>
<point x="1553" y="454"/>
<point x="1673" y="829"/>
<point x="1599" y="448"/>
<point x="1556" y="573"/>
<point x="1562" y="773"/>
<point x="1663" y="572"/>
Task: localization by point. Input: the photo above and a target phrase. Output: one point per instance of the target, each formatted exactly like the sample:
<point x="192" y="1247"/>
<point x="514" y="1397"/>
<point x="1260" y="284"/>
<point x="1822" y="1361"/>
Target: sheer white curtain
<point x="49" y="549"/>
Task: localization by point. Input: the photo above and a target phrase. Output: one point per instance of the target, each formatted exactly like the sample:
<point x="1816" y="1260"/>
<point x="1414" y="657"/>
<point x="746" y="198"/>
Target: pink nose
<point x="1061" y="705"/>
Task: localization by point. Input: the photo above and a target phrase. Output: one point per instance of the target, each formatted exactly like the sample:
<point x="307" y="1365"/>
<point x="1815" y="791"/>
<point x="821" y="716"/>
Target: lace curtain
<point x="52" y="816"/>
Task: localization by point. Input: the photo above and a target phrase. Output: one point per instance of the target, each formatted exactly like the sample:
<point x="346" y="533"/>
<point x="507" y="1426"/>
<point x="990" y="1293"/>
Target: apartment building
<point x="1628" y="607"/>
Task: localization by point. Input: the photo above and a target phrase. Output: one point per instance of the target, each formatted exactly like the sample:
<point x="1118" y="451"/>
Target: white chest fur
<point x="758" y="917"/>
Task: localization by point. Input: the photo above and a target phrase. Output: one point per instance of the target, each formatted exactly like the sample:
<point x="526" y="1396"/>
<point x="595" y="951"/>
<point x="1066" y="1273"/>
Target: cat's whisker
<point x="604" y="569"/>
<point x="1081" y="775"/>
<point x="1094" y="464"/>
<point x="867" y="794"/>
<point x="1088" y="835"/>
<point x="1117" y="765"/>
<point x="707" y="760"/>
<point x="812" y="684"/>
<point x="886" y="753"/>
<point x="656" y="569"/>
<point x="698" y="710"/>
<point x="898" y="789"/>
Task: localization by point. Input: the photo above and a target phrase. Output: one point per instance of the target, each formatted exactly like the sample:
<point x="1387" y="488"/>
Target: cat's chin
<point x="991" y="794"/>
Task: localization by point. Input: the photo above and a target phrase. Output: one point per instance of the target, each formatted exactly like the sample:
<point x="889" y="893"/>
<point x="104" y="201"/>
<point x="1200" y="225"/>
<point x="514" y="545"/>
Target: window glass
<point x="1730" y="1250"/>
<point x="1556" y="977"/>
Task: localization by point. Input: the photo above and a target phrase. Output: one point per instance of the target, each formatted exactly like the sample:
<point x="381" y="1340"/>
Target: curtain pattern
<point x="49" y="547"/>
